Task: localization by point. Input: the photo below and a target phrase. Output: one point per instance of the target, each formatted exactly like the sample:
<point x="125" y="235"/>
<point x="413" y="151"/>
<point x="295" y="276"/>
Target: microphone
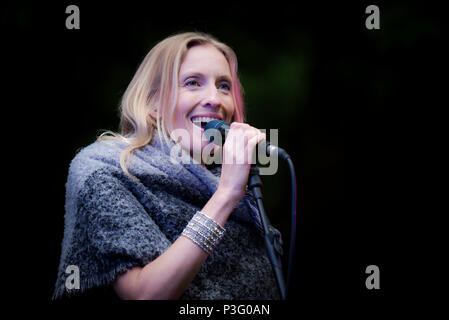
<point x="272" y="243"/>
<point x="211" y="128"/>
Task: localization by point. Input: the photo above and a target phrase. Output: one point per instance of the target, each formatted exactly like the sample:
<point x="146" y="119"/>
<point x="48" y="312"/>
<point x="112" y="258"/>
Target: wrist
<point x="232" y="195"/>
<point x="221" y="204"/>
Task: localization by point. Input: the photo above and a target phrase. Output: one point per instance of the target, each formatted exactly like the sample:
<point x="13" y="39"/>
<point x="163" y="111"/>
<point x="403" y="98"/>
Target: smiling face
<point x="204" y="94"/>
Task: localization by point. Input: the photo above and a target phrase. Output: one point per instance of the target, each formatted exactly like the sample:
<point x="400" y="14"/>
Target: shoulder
<point x="99" y="156"/>
<point x="101" y="159"/>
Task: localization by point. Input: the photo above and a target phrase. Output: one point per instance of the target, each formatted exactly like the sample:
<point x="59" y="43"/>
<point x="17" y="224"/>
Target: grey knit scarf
<point x="113" y="223"/>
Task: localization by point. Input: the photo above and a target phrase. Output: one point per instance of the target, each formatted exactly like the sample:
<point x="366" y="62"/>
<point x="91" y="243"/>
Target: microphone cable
<point x="293" y="220"/>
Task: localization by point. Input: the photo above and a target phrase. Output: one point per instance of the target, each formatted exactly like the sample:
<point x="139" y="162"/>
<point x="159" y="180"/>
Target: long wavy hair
<point x="149" y="102"/>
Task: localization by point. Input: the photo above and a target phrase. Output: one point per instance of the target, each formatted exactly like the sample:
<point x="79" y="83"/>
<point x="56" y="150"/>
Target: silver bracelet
<point x="204" y="231"/>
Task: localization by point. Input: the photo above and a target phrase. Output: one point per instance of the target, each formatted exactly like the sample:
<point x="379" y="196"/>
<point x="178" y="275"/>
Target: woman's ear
<point x="153" y="113"/>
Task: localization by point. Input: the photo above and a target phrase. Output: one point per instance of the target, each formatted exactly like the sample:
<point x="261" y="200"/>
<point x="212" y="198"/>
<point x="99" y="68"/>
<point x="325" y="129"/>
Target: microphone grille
<point x="214" y="124"/>
<point x="214" y="127"/>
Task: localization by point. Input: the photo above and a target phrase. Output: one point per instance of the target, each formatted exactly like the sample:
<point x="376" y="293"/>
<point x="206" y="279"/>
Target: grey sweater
<point x="113" y="223"/>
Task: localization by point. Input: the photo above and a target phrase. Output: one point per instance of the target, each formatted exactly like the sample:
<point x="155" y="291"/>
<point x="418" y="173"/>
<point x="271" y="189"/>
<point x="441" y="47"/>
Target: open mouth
<point x="202" y="121"/>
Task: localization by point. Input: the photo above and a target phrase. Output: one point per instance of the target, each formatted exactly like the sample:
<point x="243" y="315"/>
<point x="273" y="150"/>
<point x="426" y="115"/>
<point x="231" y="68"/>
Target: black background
<point x="351" y="105"/>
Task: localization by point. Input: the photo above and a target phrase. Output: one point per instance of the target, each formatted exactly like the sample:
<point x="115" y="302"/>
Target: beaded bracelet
<point x="204" y="231"/>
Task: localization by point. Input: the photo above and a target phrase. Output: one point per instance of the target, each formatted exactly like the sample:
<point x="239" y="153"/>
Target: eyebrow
<point x="200" y="75"/>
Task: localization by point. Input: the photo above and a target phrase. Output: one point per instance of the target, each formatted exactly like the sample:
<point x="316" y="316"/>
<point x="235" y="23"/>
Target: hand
<point x="238" y="152"/>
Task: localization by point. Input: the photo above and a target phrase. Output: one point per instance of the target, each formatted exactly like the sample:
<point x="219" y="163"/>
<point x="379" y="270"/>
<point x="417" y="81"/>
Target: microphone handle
<point x="223" y="127"/>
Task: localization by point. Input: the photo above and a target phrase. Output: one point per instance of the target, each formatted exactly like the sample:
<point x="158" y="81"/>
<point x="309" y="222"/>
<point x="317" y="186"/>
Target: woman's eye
<point x="191" y="83"/>
<point x="225" y="86"/>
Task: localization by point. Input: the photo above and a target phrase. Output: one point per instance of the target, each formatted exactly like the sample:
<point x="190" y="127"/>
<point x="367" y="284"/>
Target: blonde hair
<point x="154" y="87"/>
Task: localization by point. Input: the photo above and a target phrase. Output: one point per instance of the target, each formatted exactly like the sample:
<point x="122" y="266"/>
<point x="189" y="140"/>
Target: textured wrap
<point x="113" y="223"/>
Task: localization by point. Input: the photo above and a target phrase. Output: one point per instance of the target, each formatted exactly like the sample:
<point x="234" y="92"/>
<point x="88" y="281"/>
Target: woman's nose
<point x="212" y="98"/>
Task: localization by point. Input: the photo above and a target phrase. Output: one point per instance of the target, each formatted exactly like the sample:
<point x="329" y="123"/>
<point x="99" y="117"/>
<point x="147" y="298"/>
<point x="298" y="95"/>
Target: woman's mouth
<point x="202" y="121"/>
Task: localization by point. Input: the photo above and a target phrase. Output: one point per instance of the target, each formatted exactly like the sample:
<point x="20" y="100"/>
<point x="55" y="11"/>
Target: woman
<point x="150" y="226"/>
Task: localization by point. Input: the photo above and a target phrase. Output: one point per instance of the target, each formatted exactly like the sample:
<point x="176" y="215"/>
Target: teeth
<point x="198" y="120"/>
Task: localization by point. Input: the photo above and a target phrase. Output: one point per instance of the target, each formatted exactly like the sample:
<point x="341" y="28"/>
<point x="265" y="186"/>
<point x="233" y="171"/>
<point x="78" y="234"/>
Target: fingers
<point x="245" y="131"/>
<point x="241" y="143"/>
<point x="238" y="151"/>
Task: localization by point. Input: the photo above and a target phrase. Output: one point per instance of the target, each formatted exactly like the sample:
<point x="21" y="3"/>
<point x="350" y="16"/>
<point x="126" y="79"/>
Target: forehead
<point x="205" y="59"/>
